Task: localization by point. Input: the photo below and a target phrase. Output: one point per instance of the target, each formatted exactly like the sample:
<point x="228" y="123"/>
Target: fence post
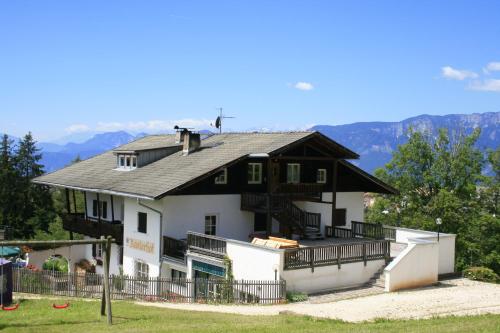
<point x="311" y="258"/>
<point x="338" y="255"/>
<point x="364" y="253"/>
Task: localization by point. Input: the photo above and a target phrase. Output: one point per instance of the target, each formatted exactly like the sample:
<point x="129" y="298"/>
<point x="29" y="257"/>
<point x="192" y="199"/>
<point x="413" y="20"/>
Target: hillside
<point x="375" y="141"/>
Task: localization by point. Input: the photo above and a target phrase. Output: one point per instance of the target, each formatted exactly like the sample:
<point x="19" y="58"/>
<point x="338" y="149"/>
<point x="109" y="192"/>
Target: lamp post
<point x="439" y="222"/>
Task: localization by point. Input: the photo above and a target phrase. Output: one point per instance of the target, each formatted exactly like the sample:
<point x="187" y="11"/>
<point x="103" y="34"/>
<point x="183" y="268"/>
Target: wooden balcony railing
<point x="336" y="254"/>
<point x="206" y="244"/>
<point x="76" y="222"/>
<point x="174" y="248"/>
<point x="337" y="232"/>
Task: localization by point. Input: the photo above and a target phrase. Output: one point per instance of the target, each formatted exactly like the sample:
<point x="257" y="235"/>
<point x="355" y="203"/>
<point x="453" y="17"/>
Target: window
<point x="210" y="224"/>
<point x="141" y="270"/>
<point x="142" y="222"/>
<point x="321" y="176"/>
<point x="221" y="177"/>
<point x="293" y="173"/>
<point x="177" y="275"/>
<point x="104" y="209"/>
<point x="254" y="173"/>
<point x="127" y="162"/>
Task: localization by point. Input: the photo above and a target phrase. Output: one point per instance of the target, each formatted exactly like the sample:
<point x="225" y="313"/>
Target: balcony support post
<point x="85" y="202"/>
<point x="68" y="204"/>
<point x="112" y="210"/>
<point x="98" y="208"/>
<point x="334" y="191"/>
<point x="269" y="217"/>
<point x="74" y="201"/>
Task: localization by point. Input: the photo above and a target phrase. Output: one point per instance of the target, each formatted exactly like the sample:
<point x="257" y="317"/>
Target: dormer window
<point x="127" y="162"/>
<point x="221" y="178"/>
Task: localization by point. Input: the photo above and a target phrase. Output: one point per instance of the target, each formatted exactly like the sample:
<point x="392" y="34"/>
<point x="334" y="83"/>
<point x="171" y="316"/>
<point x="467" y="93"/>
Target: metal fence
<point x="157" y="289"/>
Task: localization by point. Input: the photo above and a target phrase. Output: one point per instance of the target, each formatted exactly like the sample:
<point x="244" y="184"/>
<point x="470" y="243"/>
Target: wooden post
<point x="334" y="191"/>
<point x="85" y="201"/>
<point x="68" y="205"/>
<point x="98" y="208"/>
<point x="364" y="253"/>
<point x="311" y="258"/>
<point x="269" y="217"/>
<point x="112" y="210"/>
<point x="74" y="201"/>
<point x="107" y="293"/>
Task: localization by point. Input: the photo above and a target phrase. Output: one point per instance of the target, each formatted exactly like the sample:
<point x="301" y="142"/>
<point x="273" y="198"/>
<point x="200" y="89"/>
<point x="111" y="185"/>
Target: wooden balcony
<point x="76" y="222"/>
<point x="174" y="248"/>
<point x="207" y="245"/>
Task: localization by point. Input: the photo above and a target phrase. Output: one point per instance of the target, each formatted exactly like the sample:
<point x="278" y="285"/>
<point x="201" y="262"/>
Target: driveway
<point x="451" y="297"/>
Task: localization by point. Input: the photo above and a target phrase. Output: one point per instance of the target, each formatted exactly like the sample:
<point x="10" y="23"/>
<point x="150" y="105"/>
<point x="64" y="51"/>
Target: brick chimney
<point x="192" y="141"/>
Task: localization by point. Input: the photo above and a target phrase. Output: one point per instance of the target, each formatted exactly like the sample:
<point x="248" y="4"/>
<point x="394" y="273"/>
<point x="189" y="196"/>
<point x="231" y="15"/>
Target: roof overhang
<point x="95" y="190"/>
<point x="373" y="179"/>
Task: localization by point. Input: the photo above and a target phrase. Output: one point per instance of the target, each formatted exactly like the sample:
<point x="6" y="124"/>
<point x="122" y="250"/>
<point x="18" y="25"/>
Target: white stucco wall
<point x="252" y="262"/>
<point x="446" y="245"/>
<point x="187" y="213"/>
<point x="416" y="266"/>
<point x="351" y="201"/>
<point x="331" y="277"/>
<point x="152" y="237"/>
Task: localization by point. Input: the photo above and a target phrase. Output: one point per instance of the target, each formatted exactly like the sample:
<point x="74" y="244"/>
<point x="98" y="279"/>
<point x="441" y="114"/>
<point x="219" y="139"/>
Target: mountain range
<point x="373" y="141"/>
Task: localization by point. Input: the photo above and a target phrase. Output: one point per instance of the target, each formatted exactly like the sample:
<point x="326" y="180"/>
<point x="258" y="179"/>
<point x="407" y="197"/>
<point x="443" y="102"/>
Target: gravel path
<point x="451" y="297"/>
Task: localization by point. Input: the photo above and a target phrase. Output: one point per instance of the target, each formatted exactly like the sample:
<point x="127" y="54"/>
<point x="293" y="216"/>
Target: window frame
<point x="127" y="162"/>
<point x="103" y="209"/>
<point x="318" y="178"/>
<point x="141" y="270"/>
<point x="210" y="229"/>
<point x="221" y="178"/>
<point x="139" y="214"/>
<point x="251" y="173"/>
<point x="289" y="175"/>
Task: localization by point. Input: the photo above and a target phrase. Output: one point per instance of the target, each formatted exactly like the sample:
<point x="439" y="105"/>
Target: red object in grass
<point x="10" y="308"/>
<point x="62" y="306"/>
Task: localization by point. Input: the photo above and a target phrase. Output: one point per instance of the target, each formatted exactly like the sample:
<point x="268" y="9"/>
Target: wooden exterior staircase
<point x="282" y="208"/>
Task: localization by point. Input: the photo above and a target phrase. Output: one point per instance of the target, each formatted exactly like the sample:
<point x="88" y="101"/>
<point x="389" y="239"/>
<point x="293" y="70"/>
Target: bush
<point x="56" y="264"/>
<point x="481" y="274"/>
<point x="293" y="296"/>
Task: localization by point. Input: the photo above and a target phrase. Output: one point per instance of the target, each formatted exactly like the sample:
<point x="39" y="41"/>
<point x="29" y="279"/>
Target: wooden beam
<point x="98" y="208"/>
<point x="112" y="209"/>
<point x="307" y="158"/>
<point x="334" y="190"/>
<point x="269" y="217"/>
<point x="74" y="201"/>
<point x="68" y="205"/>
<point x="86" y="214"/>
<point x="54" y="243"/>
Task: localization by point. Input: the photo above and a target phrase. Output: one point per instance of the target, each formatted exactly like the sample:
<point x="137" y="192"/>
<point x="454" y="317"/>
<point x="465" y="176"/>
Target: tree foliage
<point x="443" y="178"/>
<point x="25" y="207"/>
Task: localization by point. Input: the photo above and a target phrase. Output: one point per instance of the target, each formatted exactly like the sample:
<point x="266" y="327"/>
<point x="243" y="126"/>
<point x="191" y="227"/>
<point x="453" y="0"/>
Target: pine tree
<point x="7" y="181"/>
<point x="34" y="202"/>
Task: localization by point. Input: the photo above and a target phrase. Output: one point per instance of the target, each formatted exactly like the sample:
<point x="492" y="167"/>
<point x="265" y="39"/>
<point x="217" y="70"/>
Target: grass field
<point x="83" y="316"/>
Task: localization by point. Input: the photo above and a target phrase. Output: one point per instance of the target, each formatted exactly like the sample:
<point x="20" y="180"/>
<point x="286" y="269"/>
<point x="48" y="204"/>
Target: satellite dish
<point x="217" y="122"/>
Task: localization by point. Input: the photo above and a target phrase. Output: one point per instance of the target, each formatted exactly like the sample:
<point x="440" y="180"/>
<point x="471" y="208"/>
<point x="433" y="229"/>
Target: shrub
<point x="481" y="274"/>
<point x="56" y="264"/>
<point x="293" y="296"/>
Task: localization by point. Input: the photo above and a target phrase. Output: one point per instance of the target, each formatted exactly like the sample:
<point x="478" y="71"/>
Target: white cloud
<point x="305" y="86"/>
<point x="457" y="74"/>
<point x="492" y="67"/>
<point x="486" y="85"/>
<point x="77" y="128"/>
<point x="152" y="125"/>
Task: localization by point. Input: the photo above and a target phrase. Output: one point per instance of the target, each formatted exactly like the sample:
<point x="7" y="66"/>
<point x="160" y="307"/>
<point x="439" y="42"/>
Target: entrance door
<point x="275" y="175"/>
<point x="205" y="286"/>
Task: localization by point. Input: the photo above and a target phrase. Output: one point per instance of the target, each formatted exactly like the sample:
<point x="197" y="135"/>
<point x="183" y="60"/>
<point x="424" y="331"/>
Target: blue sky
<point x="81" y="66"/>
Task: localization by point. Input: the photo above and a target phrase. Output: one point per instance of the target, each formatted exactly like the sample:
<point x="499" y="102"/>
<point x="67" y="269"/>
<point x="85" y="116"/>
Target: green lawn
<point x="83" y="317"/>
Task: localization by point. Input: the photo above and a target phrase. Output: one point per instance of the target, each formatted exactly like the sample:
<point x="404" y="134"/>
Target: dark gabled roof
<point x="368" y="182"/>
<point x="173" y="171"/>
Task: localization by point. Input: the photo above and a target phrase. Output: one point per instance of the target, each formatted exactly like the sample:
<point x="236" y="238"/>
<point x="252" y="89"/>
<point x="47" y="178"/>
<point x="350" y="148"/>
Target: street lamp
<point x="439" y="222"/>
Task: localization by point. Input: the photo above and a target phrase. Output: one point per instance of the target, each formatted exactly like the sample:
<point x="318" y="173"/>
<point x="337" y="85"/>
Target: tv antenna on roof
<point x="218" y="121"/>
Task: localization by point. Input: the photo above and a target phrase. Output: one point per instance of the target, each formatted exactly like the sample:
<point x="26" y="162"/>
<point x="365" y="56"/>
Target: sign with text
<point x="137" y="244"/>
